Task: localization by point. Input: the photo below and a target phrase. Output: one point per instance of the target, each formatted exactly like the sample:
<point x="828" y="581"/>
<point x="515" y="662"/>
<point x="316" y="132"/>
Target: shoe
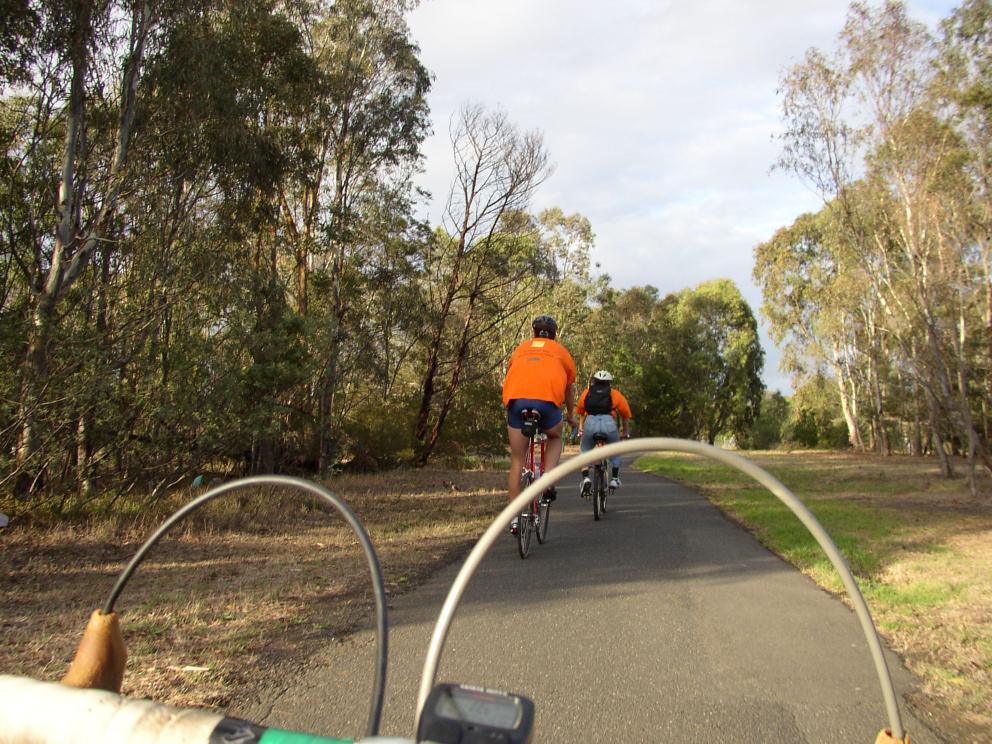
<point x="550" y="495"/>
<point x="586" y="488"/>
<point x="614" y="483"/>
<point x="514" y="527"/>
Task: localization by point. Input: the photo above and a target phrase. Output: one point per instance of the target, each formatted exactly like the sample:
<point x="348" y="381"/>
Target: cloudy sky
<point x="660" y="117"/>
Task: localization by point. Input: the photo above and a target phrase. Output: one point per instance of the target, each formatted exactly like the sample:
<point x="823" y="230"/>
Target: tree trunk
<point x="449" y="398"/>
<point x="84" y="458"/>
<point x="916" y="442"/>
<point x="878" y="413"/>
<point x="437" y="341"/>
<point x="946" y="469"/>
<point x="33" y="390"/>
<point x="848" y="406"/>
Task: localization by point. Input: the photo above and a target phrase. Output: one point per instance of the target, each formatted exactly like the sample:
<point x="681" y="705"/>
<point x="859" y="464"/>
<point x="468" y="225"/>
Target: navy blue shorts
<point x="550" y="413"/>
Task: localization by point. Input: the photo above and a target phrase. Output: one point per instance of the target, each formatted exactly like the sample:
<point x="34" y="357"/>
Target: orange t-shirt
<point x="540" y="369"/>
<point x="617" y="399"/>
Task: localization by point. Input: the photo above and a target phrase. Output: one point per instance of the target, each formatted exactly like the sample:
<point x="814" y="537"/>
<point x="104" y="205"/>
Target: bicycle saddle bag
<point x="530" y="422"/>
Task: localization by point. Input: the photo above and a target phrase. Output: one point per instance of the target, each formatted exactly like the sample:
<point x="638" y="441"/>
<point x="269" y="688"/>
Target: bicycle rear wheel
<point x="607" y="490"/>
<point x="597" y="488"/>
<point x="525" y="530"/>
<point x="543" y="516"/>
<point x="524" y="525"/>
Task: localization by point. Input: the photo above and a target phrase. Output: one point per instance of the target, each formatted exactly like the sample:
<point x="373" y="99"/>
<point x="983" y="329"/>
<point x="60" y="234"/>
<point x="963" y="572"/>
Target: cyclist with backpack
<point x="541" y="377"/>
<point x="599" y="404"/>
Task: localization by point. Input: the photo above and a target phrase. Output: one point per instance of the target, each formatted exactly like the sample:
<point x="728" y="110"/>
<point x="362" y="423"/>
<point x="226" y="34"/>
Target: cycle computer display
<point x="462" y="714"/>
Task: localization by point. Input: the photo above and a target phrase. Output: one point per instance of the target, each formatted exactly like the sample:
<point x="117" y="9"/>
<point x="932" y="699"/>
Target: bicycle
<point x="599" y="488"/>
<point x="538" y="513"/>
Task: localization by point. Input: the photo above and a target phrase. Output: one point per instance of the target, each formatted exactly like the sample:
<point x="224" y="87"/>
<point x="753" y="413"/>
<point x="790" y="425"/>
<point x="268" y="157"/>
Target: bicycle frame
<point x="531" y="520"/>
<point x="603" y="464"/>
<point x="535" y="455"/>
<point x="535" y="462"/>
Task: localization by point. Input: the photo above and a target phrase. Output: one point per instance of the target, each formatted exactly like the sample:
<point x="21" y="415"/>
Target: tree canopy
<point x="887" y="289"/>
<point x="211" y="258"/>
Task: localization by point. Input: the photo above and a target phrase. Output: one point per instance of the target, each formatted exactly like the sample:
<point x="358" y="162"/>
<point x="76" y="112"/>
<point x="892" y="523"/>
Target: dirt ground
<point x="215" y="610"/>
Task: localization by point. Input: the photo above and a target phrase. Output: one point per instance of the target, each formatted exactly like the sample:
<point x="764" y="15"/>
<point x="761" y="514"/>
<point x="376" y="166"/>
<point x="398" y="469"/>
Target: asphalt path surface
<point x="664" y="622"/>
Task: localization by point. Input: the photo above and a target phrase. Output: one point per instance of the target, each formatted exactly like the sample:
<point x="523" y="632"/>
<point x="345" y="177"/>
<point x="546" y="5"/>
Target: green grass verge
<point x="912" y="560"/>
<point x="869" y="536"/>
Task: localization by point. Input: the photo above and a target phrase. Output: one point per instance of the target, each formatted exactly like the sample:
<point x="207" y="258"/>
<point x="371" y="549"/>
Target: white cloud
<point x="659" y="116"/>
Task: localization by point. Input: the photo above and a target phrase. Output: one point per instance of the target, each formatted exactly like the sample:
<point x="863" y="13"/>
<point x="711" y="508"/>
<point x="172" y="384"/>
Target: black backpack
<point x="599" y="400"/>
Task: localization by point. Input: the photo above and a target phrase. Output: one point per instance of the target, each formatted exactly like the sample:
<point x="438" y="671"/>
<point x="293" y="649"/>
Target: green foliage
<point x="882" y="290"/>
<point x="867" y="537"/>
<point x="183" y="342"/>
<point x="379" y="436"/>
<point x="20" y="24"/>
<point x="689" y="363"/>
<point x="815" y="420"/>
<point x="767" y="430"/>
<point x="259" y="294"/>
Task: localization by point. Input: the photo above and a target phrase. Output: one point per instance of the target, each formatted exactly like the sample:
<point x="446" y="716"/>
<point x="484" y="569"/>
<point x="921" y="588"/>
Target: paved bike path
<point x="664" y="622"/>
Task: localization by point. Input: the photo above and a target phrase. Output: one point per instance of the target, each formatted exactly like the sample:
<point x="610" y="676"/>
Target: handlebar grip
<point x="52" y="713"/>
<point x="101" y="656"/>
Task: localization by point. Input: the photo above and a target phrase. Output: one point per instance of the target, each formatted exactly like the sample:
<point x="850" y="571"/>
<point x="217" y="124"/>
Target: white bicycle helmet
<point x="603" y="376"/>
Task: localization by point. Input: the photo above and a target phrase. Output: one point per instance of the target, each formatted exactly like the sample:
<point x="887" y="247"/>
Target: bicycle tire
<point x="607" y="489"/>
<point x="523" y="521"/>
<point x="525" y="530"/>
<point x="597" y="486"/>
<point x="543" y="517"/>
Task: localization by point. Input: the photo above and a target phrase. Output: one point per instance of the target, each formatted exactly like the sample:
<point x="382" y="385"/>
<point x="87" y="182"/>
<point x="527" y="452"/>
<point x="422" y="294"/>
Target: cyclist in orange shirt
<point x="541" y="375"/>
<point x="598" y="404"/>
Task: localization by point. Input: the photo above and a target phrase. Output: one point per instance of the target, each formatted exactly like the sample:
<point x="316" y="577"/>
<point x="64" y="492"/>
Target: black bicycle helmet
<point x="545" y="326"/>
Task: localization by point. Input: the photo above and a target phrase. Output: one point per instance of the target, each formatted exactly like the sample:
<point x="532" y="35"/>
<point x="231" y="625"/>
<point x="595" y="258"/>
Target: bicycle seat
<point x="600" y="437"/>
<point x="531" y="422"/>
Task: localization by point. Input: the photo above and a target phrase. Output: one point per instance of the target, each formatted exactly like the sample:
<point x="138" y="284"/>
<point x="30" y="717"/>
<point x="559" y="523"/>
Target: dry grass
<point x="256" y="581"/>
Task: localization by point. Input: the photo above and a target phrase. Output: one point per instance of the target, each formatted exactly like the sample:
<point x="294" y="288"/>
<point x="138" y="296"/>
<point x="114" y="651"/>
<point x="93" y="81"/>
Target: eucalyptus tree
<point x="222" y="96"/>
<point x="158" y="123"/>
<point x="482" y="248"/>
<point x="567" y="240"/>
<point x="965" y="84"/>
<point x="869" y="113"/>
<point x="624" y="340"/>
<point x="80" y="80"/>
<point x="800" y="277"/>
<point x="502" y="286"/>
<point x="725" y="357"/>
<point x="690" y="362"/>
<point x="362" y="141"/>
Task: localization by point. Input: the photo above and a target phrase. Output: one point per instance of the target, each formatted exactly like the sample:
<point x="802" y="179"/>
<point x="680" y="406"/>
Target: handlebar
<point x="26" y="716"/>
<point x="96" y="656"/>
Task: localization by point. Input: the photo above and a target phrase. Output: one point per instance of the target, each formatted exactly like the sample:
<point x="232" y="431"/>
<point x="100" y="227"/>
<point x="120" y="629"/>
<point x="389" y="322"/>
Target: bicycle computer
<point x="462" y="714"/>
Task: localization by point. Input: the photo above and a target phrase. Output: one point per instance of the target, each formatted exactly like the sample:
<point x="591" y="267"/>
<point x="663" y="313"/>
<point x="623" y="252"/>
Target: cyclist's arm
<point x="570" y="403"/>
<point x="624" y="412"/>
